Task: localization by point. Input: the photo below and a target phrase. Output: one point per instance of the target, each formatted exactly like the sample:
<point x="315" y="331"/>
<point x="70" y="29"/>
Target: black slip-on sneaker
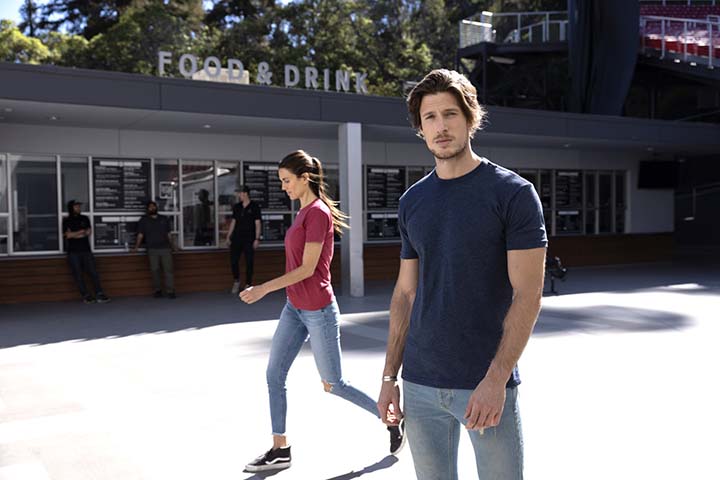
<point x="273" y="459"/>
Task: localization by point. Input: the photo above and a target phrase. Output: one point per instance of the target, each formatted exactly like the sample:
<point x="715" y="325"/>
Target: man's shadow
<point x="386" y="462"/>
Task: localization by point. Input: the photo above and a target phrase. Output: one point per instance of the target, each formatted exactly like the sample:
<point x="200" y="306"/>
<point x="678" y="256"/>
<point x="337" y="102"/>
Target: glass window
<point x="619" y="202"/>
<point x="167" y="185"/>
<point x="74" y="181"/>
<point x="605" y="202"/>
<point x="590" y="211"/>
<point x="34" y="204"/>
<point x="546" y="189"/>
<point x="198" y="197"/>
<point x="529" y="175"/>
<point x="3" y="186"/>
<point x="3" y="234"/>
<point x="228" y="179"/>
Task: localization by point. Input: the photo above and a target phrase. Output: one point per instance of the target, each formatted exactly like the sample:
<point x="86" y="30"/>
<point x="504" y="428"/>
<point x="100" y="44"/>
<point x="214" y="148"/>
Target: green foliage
<point x="392" y="41"/>
<point x="16" y="47"/>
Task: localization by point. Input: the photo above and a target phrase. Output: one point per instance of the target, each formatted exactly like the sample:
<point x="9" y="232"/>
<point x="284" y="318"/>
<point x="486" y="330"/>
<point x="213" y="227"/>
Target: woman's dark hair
<point x="300" y="162"/>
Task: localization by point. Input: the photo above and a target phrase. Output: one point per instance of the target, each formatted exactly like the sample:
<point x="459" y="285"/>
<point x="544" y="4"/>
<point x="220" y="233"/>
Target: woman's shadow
<point x="386" y="462"/>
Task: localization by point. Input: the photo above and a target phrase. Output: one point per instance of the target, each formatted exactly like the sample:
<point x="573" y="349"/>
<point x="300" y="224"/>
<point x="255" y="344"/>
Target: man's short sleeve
<point x="407" y="251"/>
<point x="168" y="228"/>
<point x="257" y="214"/>
<point x="65" y="226"/>
<point x="317" y="224"/>
<point x="525" y="227"/>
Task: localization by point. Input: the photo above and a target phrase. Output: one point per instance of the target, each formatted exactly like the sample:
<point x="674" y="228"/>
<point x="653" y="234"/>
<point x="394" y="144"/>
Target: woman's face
<point x="294" y="186"/>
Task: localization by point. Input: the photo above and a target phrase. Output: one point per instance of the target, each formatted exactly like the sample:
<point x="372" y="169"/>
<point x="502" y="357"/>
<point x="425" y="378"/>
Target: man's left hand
<point x="253" y="294"/>
<point x="485" y="407"/>
<point x="256" y="244"/>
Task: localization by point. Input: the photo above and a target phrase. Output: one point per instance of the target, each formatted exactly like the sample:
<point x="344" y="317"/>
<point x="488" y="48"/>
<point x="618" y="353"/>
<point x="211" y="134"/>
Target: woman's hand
<point x="253" y="294"/>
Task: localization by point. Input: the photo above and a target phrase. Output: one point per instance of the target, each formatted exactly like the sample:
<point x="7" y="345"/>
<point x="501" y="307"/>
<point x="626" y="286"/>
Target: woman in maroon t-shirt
<point x="311" y="309"/>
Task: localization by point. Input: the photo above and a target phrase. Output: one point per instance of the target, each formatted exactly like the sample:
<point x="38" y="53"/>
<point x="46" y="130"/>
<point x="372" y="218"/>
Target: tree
<point x="30" y="14"/>
<point x="132" y="45"/>
<point x="85" y="17"/>
<point x="66" y="50"/>
<point x="16" y="47"/>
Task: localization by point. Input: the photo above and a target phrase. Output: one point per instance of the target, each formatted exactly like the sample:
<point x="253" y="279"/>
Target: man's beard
<point x="451" y="155"/>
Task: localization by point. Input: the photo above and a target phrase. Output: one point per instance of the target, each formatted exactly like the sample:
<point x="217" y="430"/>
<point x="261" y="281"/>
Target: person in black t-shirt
<point x="243" y="236"/>
<point x="76" y="231"/>
<point x="155" y="230"/>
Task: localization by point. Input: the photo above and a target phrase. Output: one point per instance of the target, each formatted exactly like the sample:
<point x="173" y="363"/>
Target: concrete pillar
<point x="351" y="197"/>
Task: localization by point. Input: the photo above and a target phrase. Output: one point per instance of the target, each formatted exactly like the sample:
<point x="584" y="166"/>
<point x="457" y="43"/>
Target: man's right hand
<point x="389" y="403"/>
<point x="228" y="242"/>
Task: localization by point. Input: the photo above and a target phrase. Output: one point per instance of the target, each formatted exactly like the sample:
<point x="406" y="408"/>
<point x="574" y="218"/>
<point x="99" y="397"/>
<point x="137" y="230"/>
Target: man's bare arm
<point x="400" y="308"/>
<point x="526" y="271"/>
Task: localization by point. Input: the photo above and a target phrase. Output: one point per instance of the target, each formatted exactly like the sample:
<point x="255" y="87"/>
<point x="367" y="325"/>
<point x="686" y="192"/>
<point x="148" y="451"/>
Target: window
<point x="167" y="185"/>
<point x="4" y="217"/>
<point x="198" y="201"/>
<point x="605" y="202"/>
<point x="74" y="181"/>
<point x="228" y="179"/>
<point x="34" y="203"/>
<point x="620" y="202"/>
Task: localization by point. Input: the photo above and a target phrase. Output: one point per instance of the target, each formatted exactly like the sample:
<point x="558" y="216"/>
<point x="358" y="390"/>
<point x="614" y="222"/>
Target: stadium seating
<point x="681" y="35"/>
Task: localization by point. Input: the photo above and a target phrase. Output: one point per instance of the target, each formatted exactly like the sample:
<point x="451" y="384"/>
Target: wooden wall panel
<point x="49" y="279"/>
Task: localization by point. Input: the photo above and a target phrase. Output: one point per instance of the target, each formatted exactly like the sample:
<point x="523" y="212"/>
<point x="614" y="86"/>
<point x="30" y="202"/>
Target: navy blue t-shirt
<point x="460" y="231"/>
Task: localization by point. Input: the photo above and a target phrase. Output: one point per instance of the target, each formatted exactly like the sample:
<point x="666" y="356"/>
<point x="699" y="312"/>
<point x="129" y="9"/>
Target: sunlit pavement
<point x="619" y="382"/>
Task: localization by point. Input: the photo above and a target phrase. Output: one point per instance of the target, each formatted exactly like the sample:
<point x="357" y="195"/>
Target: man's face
<point x="77" y="208"/>
<point x="152" y="209"/>
<point x="244" y="197"/>
<point x="444" y="126"/>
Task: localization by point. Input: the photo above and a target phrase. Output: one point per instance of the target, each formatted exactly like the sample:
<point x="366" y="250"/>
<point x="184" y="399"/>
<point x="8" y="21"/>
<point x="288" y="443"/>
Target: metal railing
<point x="520" y="27"/>
<point x="679" y="2"/>
<point x="689" y="27"/>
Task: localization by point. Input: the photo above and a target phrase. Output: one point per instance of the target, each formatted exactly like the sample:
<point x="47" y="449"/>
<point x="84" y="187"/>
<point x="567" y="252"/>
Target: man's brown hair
<point x="450" y="81"/>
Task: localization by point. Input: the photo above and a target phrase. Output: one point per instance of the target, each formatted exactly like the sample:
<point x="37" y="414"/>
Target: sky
<point x="10" y="10"/>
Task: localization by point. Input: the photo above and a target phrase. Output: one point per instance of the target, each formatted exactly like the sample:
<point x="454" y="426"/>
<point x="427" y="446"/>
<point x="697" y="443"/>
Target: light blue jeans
<point x="322" y="327"/>
<point x="433" y="421"/>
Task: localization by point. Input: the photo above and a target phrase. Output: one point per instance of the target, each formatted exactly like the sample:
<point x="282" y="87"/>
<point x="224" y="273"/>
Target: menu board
<point x="384" y="186"/>
<point x="568" y="189"/>
<point x="416" y="173"/>
<point x="121" y="185"/>
<point x="274" y="226"/>
<point x="568" y="221"/>
<point x="264" y="185"/>
<point x="382" y="226"/>
<point x="111" y="232"/>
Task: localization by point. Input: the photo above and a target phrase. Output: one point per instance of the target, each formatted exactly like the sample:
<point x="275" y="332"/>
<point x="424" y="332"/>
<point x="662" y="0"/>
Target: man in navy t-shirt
<point x="467" y="295"/>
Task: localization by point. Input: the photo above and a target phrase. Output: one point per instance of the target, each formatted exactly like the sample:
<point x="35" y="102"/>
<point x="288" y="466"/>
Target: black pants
<point x="84" y="262"/>
<point x="238" y="246"/>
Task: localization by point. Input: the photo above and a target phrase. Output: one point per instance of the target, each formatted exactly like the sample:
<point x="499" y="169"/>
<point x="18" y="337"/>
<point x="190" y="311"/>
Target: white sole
<point x="264" y="468"/>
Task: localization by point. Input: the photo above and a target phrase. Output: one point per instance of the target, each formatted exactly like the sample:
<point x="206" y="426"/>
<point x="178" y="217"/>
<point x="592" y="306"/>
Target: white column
<point x="351" y="196"/>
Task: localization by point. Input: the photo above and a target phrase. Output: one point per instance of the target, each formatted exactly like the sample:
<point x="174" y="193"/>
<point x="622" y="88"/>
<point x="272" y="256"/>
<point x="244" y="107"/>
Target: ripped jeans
<point x="322" y="327"/>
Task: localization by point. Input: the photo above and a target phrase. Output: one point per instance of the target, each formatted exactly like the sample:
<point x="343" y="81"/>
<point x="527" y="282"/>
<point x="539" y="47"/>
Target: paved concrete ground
<point x="620" y="382"/>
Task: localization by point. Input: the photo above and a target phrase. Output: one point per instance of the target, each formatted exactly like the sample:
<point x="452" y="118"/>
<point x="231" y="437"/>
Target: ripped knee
<point x="327" y="386"/>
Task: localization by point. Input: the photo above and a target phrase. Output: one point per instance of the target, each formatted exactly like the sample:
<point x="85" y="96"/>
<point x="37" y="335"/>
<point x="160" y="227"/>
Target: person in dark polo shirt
<point x="76" y="231"/>
<point x="244" y="236"/>
<point x="155" y="230"/>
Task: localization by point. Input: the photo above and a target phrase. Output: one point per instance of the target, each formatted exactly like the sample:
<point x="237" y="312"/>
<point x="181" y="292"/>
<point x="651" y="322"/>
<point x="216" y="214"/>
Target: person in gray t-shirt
<point x="155" y="230"/>
<point x="467" y="295"/>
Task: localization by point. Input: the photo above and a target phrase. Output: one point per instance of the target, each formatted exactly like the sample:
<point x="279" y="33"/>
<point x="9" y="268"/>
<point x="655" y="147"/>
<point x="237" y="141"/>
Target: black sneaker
<point x="101" y="298"/>
<point x="157" y="294"/>
<point x="397" y="437"/>
<point x="273" y="459"/>
<point x="88" y="299"/>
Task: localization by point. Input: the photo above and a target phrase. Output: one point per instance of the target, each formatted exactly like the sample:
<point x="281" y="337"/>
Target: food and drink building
<point x="113" y="141"/>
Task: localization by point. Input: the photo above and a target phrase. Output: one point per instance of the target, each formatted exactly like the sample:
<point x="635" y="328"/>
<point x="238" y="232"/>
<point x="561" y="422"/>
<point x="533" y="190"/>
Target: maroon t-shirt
<point x="313" y="224"/>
